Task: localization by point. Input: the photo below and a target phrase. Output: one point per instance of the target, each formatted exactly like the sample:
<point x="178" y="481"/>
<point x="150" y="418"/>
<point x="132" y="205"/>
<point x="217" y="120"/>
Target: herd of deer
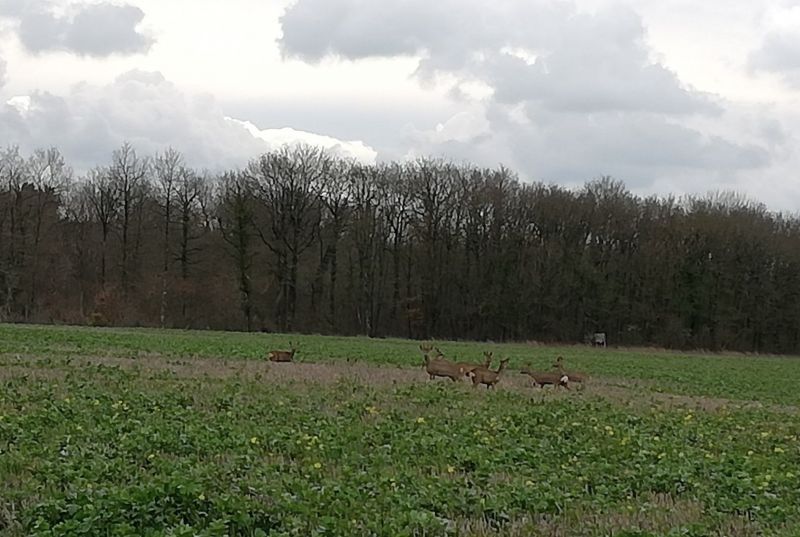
<point x="437" y="365"/>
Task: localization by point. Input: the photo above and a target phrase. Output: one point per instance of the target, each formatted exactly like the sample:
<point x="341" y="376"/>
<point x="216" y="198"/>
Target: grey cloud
<point x="150" y="112"/>
<point x="572" y="148"/>
<point x="98" y="30"/>
<point x="447" y="32"/>
<point x="582" y="62"/>
<point x="779" y="53"/>
<point x="143" y="108"/>
<point x="586" y="95"/>
<point x="3" y="75"/>
<point x="14" y="8"/>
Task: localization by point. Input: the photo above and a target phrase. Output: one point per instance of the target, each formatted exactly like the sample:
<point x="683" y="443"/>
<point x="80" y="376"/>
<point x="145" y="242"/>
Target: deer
<point x="282" y="356"/>
<point x="574" y="376"/>
<point x="487" y="376"/>
<point x="542" y="378"/>
<point x="469" y="367"/>
<point x="439" y="366"/>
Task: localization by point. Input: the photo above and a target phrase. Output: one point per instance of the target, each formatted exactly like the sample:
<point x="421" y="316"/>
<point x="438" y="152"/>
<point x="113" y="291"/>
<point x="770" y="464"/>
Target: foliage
<point x="95" y="448"/>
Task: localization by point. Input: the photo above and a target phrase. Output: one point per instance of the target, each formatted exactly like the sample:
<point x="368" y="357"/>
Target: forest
<point x="300" y="240"/>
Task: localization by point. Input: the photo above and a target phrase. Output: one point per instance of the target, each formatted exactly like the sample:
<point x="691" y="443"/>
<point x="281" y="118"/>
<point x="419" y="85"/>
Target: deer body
<point x="487" y="376"/>
<point x="542" y="378"/>
<point x="574" y="376"/>
<point x="470" y="367"/>
<point x="439" y="366"/>
<point x="282" y="356"/>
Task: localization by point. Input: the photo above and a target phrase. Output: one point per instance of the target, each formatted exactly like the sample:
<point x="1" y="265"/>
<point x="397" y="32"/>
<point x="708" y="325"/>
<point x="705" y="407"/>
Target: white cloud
<point x="150" y="112"/>
<point x="287" y="136"/>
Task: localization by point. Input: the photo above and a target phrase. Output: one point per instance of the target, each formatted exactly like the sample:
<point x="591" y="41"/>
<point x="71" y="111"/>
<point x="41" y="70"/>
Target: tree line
<point x="300" y="240"/>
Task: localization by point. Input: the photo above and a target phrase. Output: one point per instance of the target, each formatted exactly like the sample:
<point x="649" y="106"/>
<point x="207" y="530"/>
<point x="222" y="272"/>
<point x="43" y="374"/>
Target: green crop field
<point x="153" y="432"/>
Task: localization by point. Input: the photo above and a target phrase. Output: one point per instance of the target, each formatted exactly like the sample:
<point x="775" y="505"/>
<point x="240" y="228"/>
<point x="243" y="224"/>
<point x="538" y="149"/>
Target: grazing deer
<point x="469" y="367"/>
<point x="542" y="378"/>
<point x="574" y="376"/>
<point x="439" y="366"/>
<point x="487" y="376"/>
<point x="282" y="356"/>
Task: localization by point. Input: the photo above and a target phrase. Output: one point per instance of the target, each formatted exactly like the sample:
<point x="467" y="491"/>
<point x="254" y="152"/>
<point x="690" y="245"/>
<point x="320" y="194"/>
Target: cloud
<point x="150" y="112"/>
<point x="97" y="30"/>
<point x="288" y="136"/>
<point x="779" y="49"/>
<point x="565" y="95"/>
<point x="3" y="68"/>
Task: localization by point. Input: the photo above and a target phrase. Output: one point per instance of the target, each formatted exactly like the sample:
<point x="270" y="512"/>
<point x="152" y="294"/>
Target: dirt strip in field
<point x="626" y="392"/>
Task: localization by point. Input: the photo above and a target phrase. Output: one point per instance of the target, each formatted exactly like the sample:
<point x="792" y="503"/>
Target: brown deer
<point x="439" y="366"/>
<point x="574" y="376"/>
<point x="487" y="376"/>
<point x="282" y="356"/>
<point x="469" y="367"/>
<point x="543" y="378"/>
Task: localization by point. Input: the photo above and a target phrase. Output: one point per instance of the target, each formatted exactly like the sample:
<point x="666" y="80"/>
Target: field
<point x="149" y="432"/>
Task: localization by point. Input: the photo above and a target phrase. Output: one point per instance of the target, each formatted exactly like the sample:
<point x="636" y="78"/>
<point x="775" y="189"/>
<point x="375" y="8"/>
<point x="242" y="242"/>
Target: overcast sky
<point x="671" y="96"/>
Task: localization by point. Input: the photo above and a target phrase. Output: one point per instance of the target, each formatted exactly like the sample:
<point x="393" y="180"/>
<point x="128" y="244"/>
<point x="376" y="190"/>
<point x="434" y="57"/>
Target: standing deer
<point x="487" y="376"/>
<point x="469" y="367"/>
<point x="574" y="376"/>
<point x="282" y="356"/>
<point x="440" y="366"/>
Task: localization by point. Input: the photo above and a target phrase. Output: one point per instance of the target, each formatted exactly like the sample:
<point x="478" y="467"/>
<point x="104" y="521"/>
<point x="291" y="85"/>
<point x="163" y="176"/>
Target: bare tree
<point x="79" y="218"/>
<point x="169" y="169"/>
<point x="235" y="218"/>
<point x="104" y="197"/>
<point x="13" y="179"/>
<point x="129" y="173"/>
<point x="193" y="197"/>
<point x="288" y="183"/>
<point x="370" y="232"/>
<point x="335" y="196"/>
<point x="397" y="212"/>
<point x="51" y="178"/>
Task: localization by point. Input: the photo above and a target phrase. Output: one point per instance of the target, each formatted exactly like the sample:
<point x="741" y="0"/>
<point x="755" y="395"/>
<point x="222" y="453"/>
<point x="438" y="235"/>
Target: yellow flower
<point x="688" y="417"/>
<point x="451" y="469"/>
<point x="420" y="420"/>
<point x="778" y="450"/>
<point x="254" y="440"/>
<point x="529" y="483"/>
<point x="750" y="452"/>
<point x="202" y="497"/>
<point x="67" y="400"/>
<point x="317" y="465"/>
<point x="151" y="457"/>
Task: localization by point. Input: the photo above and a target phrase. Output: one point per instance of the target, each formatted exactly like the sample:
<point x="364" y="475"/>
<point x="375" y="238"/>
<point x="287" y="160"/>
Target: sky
<point x="669" y="96"/>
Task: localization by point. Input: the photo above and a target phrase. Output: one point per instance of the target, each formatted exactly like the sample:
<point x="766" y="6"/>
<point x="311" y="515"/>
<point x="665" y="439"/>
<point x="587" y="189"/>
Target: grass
<point x="149" y="432"/>
<point x="768" y="379"/>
